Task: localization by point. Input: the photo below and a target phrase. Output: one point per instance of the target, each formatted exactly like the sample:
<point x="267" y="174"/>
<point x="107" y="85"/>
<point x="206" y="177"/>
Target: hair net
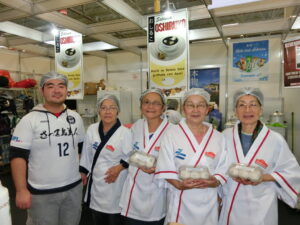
<point x="197" y="91"/>
<point x="154" y="90"/>
<point x="248" y="91"/>
<point x="53" y="76"/>
<point x="108" y="96"/>
<point x="172" y="104"/>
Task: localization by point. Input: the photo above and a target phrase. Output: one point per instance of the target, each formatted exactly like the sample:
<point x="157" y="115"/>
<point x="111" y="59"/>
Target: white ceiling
<point x="26" y="24"/>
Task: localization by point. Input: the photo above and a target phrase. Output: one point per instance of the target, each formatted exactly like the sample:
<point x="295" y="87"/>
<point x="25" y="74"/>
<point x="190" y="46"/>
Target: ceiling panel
<point x="93" y="13"/>
<point x="146" y="7"/>
<point x="121" y="23"/>
<point x="252" y="17"/>
<point x="129" y="34"/>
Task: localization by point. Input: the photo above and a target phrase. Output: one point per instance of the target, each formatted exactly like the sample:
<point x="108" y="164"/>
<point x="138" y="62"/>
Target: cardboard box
<point x="90" y="88"/>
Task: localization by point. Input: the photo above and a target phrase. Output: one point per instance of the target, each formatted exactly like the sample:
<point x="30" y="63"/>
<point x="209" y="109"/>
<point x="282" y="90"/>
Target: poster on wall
<point x="69" y="61"/>
<point x="292" y="63"/>
<point x="250" y="61"/>
<point x="209" y="79"/>
<point x="168" y="50"/>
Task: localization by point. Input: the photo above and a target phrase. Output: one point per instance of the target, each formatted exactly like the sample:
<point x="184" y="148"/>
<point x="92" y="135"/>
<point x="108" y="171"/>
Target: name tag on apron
<point x="110" y="148"/>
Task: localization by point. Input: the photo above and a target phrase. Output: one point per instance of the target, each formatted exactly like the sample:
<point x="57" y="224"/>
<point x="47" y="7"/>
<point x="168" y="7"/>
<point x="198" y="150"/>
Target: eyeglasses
<point x="245" y="106"/>
<point x="191" y="106"/>
<point x="109" y="109"/>
<point x="155" y="103"/>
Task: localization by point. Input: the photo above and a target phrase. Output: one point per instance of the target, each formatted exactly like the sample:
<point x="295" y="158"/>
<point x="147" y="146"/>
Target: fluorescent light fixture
<point x="296" y="24"/>
<point x="97" y="46"/>
<point x="224" y="3"/>
<point x="91" y="47"/>
<point x="49" y="42"/>
<point x="230" y="25"/>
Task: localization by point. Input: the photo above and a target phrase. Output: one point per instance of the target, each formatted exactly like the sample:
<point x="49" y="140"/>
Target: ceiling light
<point x="169" y="9"/>
<point x="54" y="31"/>
<point x="230" y="25"/>
<point x="167" y="13"/>
<point x="296" y="24"/>
<point x="49" y="42"/>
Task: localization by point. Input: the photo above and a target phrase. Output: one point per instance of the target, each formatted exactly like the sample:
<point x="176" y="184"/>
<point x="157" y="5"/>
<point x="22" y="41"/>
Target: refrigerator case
<point x="124" y="98"/>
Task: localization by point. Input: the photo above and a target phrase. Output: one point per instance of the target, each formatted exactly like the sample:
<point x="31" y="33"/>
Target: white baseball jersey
<point x="248" y="204"/>
<point x="179" y="147"/>
<point x="106" y="197"/>
<point x="141" y="198"/>
<point x="52" y="144"/>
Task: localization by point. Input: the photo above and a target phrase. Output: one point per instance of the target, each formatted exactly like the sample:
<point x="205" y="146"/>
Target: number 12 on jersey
<point x="63" y="149"/>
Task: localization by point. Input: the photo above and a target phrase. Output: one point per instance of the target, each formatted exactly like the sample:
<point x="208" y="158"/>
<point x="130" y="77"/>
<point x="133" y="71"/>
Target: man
<point x="48" y="140"/>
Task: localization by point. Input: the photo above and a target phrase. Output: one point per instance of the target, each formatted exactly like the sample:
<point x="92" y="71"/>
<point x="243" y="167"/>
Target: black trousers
<point x="130" y="221"/>
<point x="100" y="218"/>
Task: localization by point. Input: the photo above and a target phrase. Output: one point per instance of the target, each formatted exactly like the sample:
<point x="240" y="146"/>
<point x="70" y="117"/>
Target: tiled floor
<point x="287" y="216"/>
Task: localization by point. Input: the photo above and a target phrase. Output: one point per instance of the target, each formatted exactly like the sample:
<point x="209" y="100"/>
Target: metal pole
<point x="156" y="6"/>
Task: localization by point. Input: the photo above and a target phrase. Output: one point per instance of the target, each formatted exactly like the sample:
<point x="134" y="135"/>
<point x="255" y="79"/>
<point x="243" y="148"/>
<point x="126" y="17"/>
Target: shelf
<point x="17" y="89"/>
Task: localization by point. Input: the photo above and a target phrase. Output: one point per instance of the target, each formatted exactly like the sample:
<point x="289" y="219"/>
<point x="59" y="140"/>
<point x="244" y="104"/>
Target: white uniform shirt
<point x="179" y="148"/>
<point x="106" y="197"/>
<point x="141" y="198"/>
<point x="53" y="144"/>
<point x="248" y="204"/>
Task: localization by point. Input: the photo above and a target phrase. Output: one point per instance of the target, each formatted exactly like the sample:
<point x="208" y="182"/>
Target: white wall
<point x="125" y="72"/>
<point x="211" y="55"/>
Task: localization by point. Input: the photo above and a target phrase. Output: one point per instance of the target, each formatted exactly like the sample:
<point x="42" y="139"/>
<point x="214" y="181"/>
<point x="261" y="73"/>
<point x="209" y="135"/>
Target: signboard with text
<point x="69" y="61"/>
<point x="168" y="49"/>
<point x="292" y="63"/>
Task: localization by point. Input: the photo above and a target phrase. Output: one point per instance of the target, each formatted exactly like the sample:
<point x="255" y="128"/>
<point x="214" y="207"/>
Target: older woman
<point x="252" y="143"/>
<point x="193" y="143"/>
<point x="105" y="150"/>
<point x="142" y="201"/>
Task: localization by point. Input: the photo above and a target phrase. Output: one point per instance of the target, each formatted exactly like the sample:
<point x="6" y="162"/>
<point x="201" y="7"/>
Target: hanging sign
<point x="250" y="61"/>
<point x="292" y="63"/>
<point x="168" y="50"/>
<point x="69" y="61"/>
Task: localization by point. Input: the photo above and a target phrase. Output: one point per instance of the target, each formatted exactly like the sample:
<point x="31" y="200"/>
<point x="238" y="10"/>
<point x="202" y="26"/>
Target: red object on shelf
<point x="27" y="83"/>
<point x="5" y="73"/>
<point x="63" y="11"/>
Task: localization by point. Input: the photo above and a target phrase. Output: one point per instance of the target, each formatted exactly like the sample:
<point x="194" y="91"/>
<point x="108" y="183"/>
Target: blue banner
<point x="209" y="79"/>
<point x="250" y="61"/>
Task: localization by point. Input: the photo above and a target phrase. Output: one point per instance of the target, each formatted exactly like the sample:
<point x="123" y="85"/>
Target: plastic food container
<point x="240" y="170"/>
<point x="189" y="172"/>
<point x="142" y="159"/>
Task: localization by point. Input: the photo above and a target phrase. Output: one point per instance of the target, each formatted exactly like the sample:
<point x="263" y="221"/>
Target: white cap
<point x="197" y="91"/>
<point x="154" y="90"/>
<point x="248" y="91"/>
<point x="108" y="96"/>
<point x="53" y="76"/>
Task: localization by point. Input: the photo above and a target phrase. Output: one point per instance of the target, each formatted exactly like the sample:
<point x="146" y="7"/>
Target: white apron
<point x="106" y="197"/>
<point x="180" y="148"/>
<point x="142" y="199"/>
<point x="257" y="205"/>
